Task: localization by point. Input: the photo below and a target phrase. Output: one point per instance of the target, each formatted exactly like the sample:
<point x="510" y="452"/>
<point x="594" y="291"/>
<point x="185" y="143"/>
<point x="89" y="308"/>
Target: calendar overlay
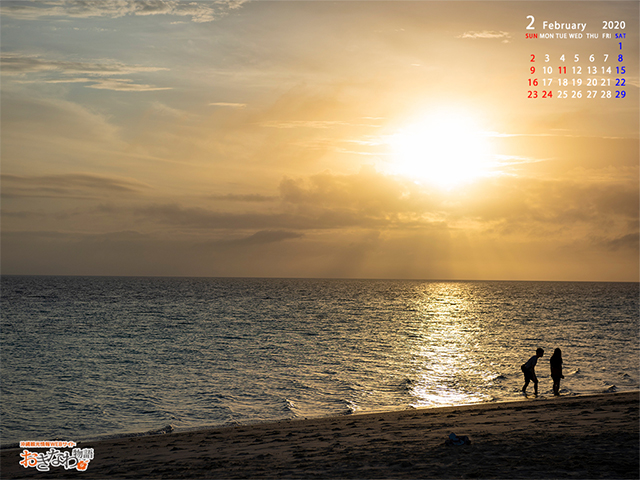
<point x="577" y="60"/>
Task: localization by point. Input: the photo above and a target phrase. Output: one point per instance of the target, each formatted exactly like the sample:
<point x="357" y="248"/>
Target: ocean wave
<point x="350" y="408"/>
<point x="289" y="407"/>
<point x="163" y="430"/>
<point x="160" y="431"/>
<point x="406" y="385"/>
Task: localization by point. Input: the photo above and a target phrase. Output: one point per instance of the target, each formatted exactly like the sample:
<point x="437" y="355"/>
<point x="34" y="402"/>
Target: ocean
<point x="92" y="357"/>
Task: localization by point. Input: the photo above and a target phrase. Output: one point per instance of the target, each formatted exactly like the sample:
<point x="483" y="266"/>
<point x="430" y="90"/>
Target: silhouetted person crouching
<point x="530" y="373"/>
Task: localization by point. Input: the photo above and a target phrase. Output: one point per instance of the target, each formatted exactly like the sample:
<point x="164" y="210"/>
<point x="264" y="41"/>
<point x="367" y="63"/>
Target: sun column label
<point x="576" y="60"/>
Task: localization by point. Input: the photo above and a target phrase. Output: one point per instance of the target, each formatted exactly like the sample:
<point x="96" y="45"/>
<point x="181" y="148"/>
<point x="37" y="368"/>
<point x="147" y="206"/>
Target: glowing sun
<point x="445" y="150"/>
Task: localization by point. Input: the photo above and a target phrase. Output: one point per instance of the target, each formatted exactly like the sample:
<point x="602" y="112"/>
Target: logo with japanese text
<point x="76" y="458"/>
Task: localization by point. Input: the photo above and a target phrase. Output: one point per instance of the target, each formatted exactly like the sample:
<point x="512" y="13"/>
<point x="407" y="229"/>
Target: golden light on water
<point x="444" y="361"/>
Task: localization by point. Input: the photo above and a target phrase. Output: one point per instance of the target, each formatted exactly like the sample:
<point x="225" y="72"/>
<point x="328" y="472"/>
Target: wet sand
<point x="565" y="437"/>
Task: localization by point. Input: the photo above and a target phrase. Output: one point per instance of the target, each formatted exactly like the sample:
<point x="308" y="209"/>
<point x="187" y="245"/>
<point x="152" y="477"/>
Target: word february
<point x="563" y="26"/>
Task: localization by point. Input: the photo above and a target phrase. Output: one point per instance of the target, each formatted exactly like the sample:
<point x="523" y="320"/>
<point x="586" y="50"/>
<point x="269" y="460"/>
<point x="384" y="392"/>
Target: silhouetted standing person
<point x="556" y="370"/>
<point x="530" y="373"/>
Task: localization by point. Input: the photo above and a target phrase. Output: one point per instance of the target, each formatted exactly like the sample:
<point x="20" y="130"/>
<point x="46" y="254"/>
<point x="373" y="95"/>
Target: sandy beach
<point x="565" y="437"/>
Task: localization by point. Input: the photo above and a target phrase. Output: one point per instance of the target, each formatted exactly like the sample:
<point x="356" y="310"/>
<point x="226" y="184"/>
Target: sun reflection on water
<point x="446" y="371"/>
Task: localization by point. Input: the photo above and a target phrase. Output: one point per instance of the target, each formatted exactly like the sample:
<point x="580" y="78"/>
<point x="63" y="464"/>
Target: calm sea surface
<point x="86" y="357"/>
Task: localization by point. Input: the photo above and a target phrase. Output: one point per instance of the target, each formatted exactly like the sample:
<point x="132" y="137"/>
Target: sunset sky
<point x="313" y="139"/>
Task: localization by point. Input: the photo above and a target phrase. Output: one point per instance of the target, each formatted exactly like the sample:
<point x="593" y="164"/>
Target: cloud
<point x="371" y="200"/>
<point x="488" y="34"/>
<point x="77" y="185"/>
<point x="125" y="85"/>
<point x="120" y="85"/>
<point x="232" y="197"/>
<point x="205" y="219"/>
<point x="227" y="104"/>
<point x="18" y="64"/>
<point x="262" y="237"/>
<point x="560" y="209"/>
<point x="62" y="80"/>
<point x="15" y="64"/>
<point x="365" y="224"/>
<point x="165" y="110"/>
<point x="630" y="242"/>
<point x="30" y="122"/>
<point x="198" y="12"/>
<point x="367" y="191"/>
<point x="322" y="124"/>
